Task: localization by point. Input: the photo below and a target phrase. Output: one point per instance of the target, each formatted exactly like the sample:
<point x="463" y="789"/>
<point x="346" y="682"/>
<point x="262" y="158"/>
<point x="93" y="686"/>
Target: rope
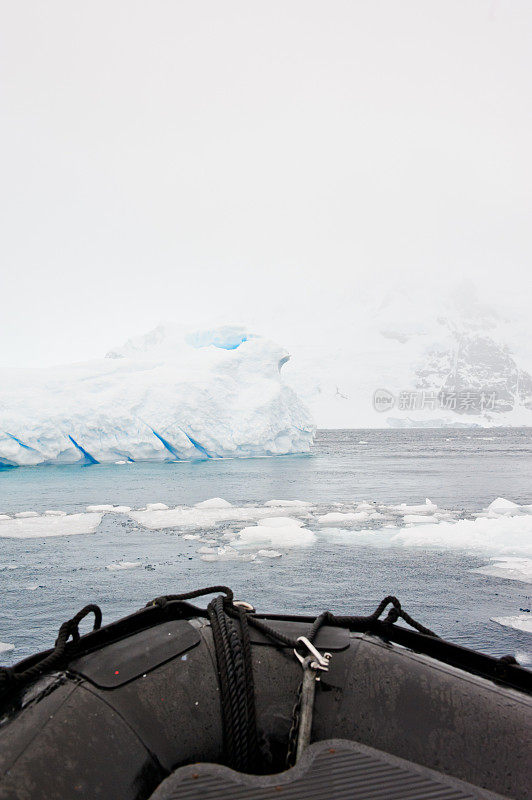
<point x="327" y="618"/>
<point x="233" y="657"/>
<point x="9" y="677"/>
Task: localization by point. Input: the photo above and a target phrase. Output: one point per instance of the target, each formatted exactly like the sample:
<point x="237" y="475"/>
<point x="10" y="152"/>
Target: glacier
<point x="173" y="394"/>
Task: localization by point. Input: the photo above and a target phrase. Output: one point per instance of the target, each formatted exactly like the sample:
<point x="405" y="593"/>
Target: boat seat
<point x="335" y="769"/>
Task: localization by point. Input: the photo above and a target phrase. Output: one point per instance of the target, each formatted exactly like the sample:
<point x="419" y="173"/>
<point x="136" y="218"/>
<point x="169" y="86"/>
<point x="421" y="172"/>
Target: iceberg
<point x="171" y="395"/>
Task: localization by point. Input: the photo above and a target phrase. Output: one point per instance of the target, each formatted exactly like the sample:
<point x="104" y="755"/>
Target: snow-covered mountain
<point x="172" y="394"/>
<point x="404" y="359"/>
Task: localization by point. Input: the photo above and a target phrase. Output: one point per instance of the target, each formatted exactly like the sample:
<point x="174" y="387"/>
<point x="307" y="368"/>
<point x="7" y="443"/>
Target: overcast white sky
<point x="242" y="160"/>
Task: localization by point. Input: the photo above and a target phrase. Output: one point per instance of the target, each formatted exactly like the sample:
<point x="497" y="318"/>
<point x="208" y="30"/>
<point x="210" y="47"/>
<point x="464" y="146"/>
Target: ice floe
<point x="426" y="508"/>
<point x="35" y="527"/>
<point x="511" y="568"/>
<point x="282" y="522"/>
<point x="286" y="503"/>
<point x="339" y="517"/>
<point x="220" y="554"/>
<point x="5" y="647"/>
<point x="503" y="535"/>
<point x="418" y="519"/>
<point x="214" y="502"/>
<point x="54" y="512"/>
<point x="522" y="622"/>
<point x="502" y="506"/>
<point x="525" y="659"/>
<point x="289" y="535"/>
<point x="187" y="517"/>
<point x="26" y="514"/>
<point x="123" y="565"/>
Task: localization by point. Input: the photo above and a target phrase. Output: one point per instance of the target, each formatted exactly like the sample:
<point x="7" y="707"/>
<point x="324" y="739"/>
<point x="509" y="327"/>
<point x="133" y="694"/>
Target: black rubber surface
<point x="331" y="770"/>
<point x="135" y="655"/>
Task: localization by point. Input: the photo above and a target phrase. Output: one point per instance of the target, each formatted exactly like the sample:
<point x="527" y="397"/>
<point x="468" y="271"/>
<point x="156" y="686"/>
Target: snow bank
<point x="168" y="396"/>
<point x="514" y="569"/>
<point x="35" y="527"/>
<point x="523" y="622"/>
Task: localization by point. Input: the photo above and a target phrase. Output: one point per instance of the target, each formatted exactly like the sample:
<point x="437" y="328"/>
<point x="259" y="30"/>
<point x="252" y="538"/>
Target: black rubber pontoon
<point x="137" y="709"/>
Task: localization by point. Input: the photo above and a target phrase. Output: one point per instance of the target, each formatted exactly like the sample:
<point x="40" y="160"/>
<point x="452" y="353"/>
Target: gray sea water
<point x="43" y="581"/>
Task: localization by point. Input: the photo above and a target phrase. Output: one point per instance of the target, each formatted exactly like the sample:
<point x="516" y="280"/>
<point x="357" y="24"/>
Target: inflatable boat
<point x="180" y="701"/>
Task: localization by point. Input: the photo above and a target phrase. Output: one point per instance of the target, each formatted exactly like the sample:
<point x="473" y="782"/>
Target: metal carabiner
<point x="320" y="661"/>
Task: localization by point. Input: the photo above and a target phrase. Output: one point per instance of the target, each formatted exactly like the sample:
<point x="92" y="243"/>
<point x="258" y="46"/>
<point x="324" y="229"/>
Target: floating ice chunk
<point x="287" y="536"/>
<point x="31" y="587"/>
<point x="365" y="506"/>
<point x="121" y="462"/>
<point x="514" y="569"/>
<point x="4" y="516"/>
<point x="504" y="535"/>
<point x="36" y="527"/>
<point x="123" y="565"/>
<point x="522" y="622"/>
<point x="198" y="517"/>
<point x="281" y="522"/>
<point x="228" y="553"/>
<point x="220" y="554"/>
<point x="121" y="509"/>
<point x="426" y="508"/>
<point x="54" y="512"/>
<point x="206" y="550"/>
<point x="418" y="519"/>
<point x="26" y="514"/>
<point x="362" y="441"/>
<point x="335" y="517"/>
<point x="503" y="506"/>
<point x="5" y="647"/>
<point x="523" y="658"/>
<point x="286" y="503"/>
<point x="100" y="509"/>
<point x="269" y="553"/>
<point x="156" y="506"/>
<point x="214" y="502"/>
<point x="191" y="536"/>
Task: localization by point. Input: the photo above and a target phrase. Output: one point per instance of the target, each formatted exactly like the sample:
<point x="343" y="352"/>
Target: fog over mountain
<point x="351" y="181"/>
